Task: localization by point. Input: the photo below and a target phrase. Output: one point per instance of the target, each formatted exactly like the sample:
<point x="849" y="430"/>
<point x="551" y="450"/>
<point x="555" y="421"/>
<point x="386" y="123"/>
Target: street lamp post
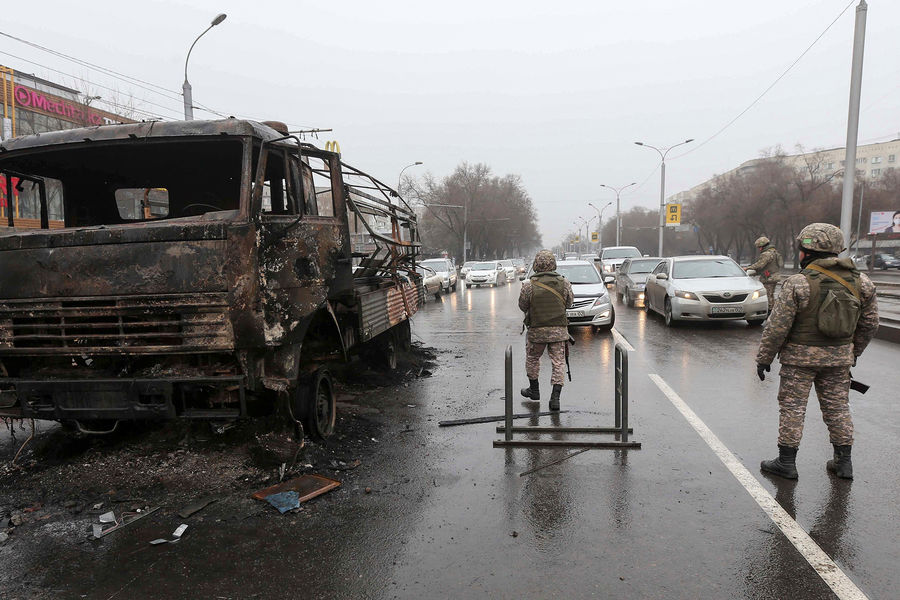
<point x="600" y="221"/>
<point x="662" y="186"/>
<point x="186" y="87"/>
<point x="618" y="211"/>
<point x="585" y="224"/>
<point x="400" y="176"/>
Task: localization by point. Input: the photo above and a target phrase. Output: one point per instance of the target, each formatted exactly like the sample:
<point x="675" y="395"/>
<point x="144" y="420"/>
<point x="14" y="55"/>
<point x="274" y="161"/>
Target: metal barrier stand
<point x="620" y="402"/>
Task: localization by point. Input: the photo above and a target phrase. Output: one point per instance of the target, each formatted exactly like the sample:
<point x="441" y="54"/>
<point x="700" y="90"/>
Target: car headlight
<point x="758" y="293"/>
<point x="601" y="300"/>
<point x="608" y="268"/>
<point x="686" y="295"/>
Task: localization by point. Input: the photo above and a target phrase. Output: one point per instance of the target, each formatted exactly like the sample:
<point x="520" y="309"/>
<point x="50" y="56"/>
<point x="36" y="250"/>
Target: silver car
<point x="704" y="288"/>
<point x="490" y="273"/>
<point x="444" y="268"/>
<point x="613" y="256"/>
<point x="512" y="273"/>
<point x="593" y="306"/>
<point x="632" y="277"/>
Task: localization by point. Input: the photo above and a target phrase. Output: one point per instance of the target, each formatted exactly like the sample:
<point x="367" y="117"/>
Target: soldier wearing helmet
<point x="544" y="300"/>
<point x="768" y="266"/>
<point x="822" y="321"/>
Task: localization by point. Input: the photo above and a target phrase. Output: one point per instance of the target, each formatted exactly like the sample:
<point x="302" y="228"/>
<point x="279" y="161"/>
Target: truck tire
<point x="404" y="335"/>
<point x="381" y="353"/>
<point x="314" y="404"/>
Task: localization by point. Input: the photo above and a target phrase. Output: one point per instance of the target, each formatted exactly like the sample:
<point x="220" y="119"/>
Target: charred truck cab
<point x="195" y="269"/>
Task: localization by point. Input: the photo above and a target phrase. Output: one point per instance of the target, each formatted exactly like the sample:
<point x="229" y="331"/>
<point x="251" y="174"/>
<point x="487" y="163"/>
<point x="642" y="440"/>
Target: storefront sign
<point x="67" y="110"/>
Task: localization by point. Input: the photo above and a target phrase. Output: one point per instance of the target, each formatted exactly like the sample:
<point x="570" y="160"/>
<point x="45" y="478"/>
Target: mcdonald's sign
<point x="333" y="146"/>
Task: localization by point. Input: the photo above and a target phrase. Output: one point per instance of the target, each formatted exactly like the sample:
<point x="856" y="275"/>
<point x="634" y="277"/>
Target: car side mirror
<point x="751" y="272"/>
<point x="662" y="276"/>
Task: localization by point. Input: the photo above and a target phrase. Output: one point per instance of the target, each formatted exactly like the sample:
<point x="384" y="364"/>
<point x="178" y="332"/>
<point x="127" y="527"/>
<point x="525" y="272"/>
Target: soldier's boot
<point x="554" y="396"/>
<point x="783" y="466"/>
<point x="840" y="465"/>
<point x="533" y="390"/>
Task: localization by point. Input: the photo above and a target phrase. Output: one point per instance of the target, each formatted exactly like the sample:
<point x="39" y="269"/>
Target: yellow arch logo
<point x="333" y="146"/>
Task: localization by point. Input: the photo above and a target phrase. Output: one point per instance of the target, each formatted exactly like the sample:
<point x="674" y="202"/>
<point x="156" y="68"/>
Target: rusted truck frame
<point x="206" y="269"/>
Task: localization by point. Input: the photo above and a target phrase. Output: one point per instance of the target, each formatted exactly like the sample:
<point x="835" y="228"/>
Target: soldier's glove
<point x="761" y="371"/>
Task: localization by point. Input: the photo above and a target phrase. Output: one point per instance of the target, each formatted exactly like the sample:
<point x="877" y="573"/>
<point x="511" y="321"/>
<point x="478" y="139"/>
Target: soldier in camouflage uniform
<point x="822" y="321"/>
<point x="544" y="300"/>
<point x="767" y="266"/>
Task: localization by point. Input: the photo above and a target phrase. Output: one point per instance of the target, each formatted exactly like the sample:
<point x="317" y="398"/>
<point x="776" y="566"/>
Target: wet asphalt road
<point x="449" y="516"/>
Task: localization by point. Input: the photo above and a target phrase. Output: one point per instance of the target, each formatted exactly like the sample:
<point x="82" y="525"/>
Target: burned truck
<point x="198" y="269"/>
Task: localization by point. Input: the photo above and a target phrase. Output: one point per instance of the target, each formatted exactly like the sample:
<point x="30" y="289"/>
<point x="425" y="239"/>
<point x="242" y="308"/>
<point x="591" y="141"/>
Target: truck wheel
<point x="314" y="404"/>
<point x="404" y="335"/>
<point x="381" y="352"/>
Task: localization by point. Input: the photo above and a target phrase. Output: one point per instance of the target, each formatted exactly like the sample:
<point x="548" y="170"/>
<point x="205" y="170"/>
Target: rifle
<point x="569" y="370"/>
<point x="858" y="386"/>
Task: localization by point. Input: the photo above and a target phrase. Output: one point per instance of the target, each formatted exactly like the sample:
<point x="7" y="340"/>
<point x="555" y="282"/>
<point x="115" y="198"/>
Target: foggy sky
<point x="554" y="92"/>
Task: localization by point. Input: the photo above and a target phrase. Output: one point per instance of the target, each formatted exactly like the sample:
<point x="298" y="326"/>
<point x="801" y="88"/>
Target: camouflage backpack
<point x="840" y="305"/>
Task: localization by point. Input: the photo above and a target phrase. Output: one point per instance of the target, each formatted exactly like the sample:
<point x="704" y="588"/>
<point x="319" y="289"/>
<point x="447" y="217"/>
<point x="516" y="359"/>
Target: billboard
<point x="885" y="221"/>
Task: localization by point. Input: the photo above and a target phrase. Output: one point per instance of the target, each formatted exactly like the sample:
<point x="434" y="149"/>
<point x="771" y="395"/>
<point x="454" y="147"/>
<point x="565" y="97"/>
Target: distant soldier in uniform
<point x="768" y="266"/>
<point x="544" y="300"/>
<point x="822" y="321"/>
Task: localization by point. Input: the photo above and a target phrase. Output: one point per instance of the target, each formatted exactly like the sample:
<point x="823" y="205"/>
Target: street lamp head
<point x="688" y="141"/>
<point x="219" y="18"/>
<point x="639" y="143"/>
<point x="419" y="162"/>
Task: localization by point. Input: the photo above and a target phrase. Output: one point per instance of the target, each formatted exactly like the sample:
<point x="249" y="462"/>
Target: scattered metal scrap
<point x="498" y="418"/>
<point x="551" y="463"/>
<point x="176" y="536"/>
<point x="304" y="488"/>
<point x="127" y="519"/>
<point x="197" y="506"/>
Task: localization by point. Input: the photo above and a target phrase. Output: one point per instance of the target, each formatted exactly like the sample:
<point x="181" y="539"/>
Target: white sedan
<point x="704" y="288"/>
<point x="486" y="273"/>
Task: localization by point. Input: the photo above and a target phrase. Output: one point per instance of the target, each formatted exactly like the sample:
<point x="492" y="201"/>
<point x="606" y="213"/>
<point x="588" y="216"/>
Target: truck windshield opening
<point x="120" y="182"/>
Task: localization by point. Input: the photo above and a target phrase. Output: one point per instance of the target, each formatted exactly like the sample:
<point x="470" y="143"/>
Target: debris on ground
<point x="306" y="487"/>
<point x="197" y="506"/>
<point x="284" y="501"/>
<point x="496" y="418"/>
<point x="176" y="536"/>
<point x="551" y="463"/>
<point x="127" y="518"/>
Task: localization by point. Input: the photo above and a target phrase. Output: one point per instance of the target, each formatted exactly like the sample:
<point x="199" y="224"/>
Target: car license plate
<point x="574" y="313"/>
<point x="726" y="309"/>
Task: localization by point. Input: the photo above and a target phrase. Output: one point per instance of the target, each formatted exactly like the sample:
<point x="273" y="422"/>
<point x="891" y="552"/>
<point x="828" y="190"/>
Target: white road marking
<point x="830" y="573"/>
<point x="620" y="339"/>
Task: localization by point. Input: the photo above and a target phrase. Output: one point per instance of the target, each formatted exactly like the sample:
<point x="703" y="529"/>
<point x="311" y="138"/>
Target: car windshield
<point x="621" y="253"/>
<point x="485" y="266"/>
<point x="697" y="269"/>
<point x="643" y="266"/>
<point x="437" y="265"/>
<point x="424" y="271"/>
<point x="579" y="273"/>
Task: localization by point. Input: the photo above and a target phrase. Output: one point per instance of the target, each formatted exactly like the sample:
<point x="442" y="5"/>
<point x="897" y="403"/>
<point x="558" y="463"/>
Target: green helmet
<point x="761" y="242"/>
<point x="821" y="237"/>
<point x="544" y="261"/>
